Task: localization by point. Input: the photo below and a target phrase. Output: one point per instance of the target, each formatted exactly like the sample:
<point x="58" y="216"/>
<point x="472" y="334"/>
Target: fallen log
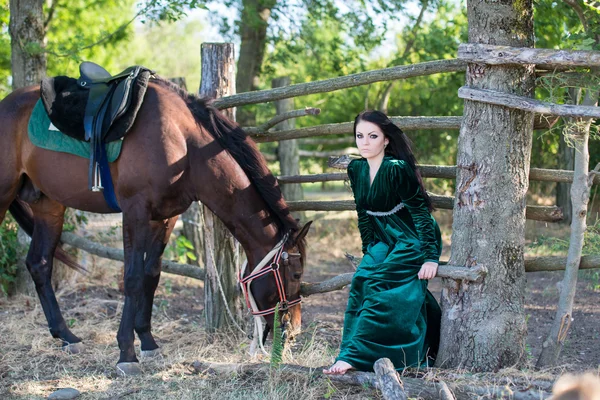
<point x="414" y="387"/>
<point x="387" y="378"/>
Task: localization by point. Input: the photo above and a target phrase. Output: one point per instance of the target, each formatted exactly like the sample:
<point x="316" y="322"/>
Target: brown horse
<point x="180" y="149"/>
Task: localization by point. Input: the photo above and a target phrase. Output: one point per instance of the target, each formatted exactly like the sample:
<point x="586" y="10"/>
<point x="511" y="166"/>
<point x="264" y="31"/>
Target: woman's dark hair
<point x="399" y="145"/>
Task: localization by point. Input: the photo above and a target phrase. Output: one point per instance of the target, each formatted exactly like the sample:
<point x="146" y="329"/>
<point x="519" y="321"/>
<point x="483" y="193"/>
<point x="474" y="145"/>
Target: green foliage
<point x="180" y="250"/>
<point x="10" y="253"/>
<point x="558" y="25"/>
<point x="172" y="50"/>
<point x="74" y="219"/>
<point x="553" y="245"/>
<point x="277" y="347"/>
<point x="4" y="49"/>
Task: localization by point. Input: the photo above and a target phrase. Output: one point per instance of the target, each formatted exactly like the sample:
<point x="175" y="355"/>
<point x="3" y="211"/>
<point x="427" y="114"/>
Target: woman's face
<point x="370" y="140"/>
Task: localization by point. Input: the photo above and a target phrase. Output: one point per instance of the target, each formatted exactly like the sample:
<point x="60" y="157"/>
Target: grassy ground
<point x="32" y="365"/>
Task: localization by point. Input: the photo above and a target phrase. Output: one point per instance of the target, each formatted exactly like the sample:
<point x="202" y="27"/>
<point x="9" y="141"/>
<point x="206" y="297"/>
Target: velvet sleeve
<point x="364" y="223"/>
<point x="410" y="193"/>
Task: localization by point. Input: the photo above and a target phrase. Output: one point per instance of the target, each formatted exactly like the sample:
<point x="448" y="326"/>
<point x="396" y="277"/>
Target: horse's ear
<point x="300" y="235"/>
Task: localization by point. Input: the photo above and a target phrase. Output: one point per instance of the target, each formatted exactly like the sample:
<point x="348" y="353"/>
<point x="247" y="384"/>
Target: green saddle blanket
<point x="43" y="134"/>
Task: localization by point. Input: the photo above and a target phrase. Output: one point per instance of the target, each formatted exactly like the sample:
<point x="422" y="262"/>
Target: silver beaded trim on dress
<point x="386" y="213"/>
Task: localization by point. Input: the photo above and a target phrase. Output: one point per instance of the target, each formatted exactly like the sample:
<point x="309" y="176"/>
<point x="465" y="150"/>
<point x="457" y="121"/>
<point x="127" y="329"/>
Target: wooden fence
<point x="546" y="60"/>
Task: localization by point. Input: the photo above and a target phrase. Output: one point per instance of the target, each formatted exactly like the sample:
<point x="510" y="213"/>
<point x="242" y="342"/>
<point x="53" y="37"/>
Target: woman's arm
<point x="364" y="223"/>
<point x="410" y="193"/>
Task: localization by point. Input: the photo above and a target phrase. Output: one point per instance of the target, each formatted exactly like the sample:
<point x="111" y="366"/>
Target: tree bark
<point x="287" y="151"/>
<point x="27" y="34"/>
<point x="253" y="34"/>
<point x="221" y="250"/>
<point x="388" y="380"/>
<point x="580" y="196"/>
<point x="483" y="324"/>
<point x="28" y="67"/>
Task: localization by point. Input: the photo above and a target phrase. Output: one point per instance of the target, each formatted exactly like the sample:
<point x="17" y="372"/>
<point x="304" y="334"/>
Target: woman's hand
<point x="428" y="270"/>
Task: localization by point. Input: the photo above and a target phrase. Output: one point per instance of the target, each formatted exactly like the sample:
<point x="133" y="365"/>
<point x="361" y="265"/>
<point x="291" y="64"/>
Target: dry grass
<point x="32" y="365"/>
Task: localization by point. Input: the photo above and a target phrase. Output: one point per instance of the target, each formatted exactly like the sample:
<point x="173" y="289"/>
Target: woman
<point x="390" y="312"/>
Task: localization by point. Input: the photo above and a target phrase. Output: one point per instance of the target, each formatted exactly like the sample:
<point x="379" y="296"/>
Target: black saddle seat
<point x="92" y="72"/>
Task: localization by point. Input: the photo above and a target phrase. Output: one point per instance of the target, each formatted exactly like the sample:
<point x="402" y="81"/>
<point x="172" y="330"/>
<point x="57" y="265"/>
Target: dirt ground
<point x="32" y="365"/>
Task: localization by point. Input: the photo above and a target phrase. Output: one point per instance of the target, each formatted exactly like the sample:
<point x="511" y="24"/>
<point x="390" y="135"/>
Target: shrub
<point x="10" y="253"/>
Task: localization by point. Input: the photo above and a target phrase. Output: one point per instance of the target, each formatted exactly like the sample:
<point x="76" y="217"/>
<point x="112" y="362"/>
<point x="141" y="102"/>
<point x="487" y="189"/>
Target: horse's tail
<point x="24" y="217"/>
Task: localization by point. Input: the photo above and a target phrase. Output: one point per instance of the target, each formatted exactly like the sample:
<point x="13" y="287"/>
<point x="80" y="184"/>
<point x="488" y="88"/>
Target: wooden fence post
<point x="287" y="152"/>
<point x="221" y="250"/>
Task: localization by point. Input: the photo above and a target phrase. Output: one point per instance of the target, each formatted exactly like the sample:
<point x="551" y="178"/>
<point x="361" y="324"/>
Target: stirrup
<point x="97" y="187"/>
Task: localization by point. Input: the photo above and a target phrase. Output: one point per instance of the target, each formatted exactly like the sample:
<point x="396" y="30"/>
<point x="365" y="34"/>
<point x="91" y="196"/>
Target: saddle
<point x="97" y="108"/>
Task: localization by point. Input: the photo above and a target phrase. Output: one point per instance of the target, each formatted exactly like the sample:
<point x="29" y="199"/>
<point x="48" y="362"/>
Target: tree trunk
<point x="253" y="34"/>
<point x="28" y="65"/>
<point x="221" y="250"/>
<point x="566" y="160"/>
<point x="483" y="324"/>
<point x="579" y="130"/>
<point x="287" y="151"/>
<point x="27" y="42"/>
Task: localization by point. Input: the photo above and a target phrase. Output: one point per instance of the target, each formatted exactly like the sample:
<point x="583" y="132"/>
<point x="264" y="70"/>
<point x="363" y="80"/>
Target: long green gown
<point x="390" y="312"/>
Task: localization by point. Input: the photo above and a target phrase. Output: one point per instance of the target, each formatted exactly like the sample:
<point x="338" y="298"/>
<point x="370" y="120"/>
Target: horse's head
<point x="291" y="267"/>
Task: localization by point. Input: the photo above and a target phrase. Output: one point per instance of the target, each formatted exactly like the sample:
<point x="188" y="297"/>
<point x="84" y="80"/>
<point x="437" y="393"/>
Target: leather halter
<point x="263" y="268"/>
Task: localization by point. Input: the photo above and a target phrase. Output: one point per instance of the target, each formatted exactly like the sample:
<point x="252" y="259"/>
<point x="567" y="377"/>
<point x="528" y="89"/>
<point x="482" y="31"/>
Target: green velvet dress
<point x="390" y="312"/>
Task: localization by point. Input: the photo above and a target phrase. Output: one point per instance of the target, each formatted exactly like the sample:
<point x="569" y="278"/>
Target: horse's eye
<point x="297" y="275"/>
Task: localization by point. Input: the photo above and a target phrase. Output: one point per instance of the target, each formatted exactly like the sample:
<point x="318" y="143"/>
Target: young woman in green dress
<point x="390" y="312"/>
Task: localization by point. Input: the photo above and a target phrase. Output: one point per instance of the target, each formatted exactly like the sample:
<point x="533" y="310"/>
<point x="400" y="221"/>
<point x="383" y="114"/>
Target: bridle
<point x="263" y="268"/>
<point x="270" y="263"/>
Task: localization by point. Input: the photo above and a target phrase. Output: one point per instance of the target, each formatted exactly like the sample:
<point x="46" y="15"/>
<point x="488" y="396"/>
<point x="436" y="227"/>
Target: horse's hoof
<point x="73" y="348"/>
<point x="150" y="353"/>
<point x="128" y="369"/>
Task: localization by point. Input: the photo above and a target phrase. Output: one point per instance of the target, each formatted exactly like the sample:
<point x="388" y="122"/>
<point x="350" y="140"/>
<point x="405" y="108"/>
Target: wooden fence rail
<point x="405" y="123"/>
<point x="527" y="104"/>
<point x="536" y="213"/>
<point x="338" y="282"/>
<point x="497" y="55"/>
<point x="343" y="82"/>
<point x="439" y="171"/>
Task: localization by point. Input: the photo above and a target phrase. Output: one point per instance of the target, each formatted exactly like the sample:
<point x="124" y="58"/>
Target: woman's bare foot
<point x="339" y="368"/>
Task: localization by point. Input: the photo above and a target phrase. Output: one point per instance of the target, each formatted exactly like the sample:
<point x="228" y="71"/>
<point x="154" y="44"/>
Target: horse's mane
<point x="242" y="149"/>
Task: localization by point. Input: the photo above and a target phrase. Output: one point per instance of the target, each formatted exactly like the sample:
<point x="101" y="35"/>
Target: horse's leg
<point x="157" y="240"/>
<point x="136" y="230"/>
<point x="48" y="216"/>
